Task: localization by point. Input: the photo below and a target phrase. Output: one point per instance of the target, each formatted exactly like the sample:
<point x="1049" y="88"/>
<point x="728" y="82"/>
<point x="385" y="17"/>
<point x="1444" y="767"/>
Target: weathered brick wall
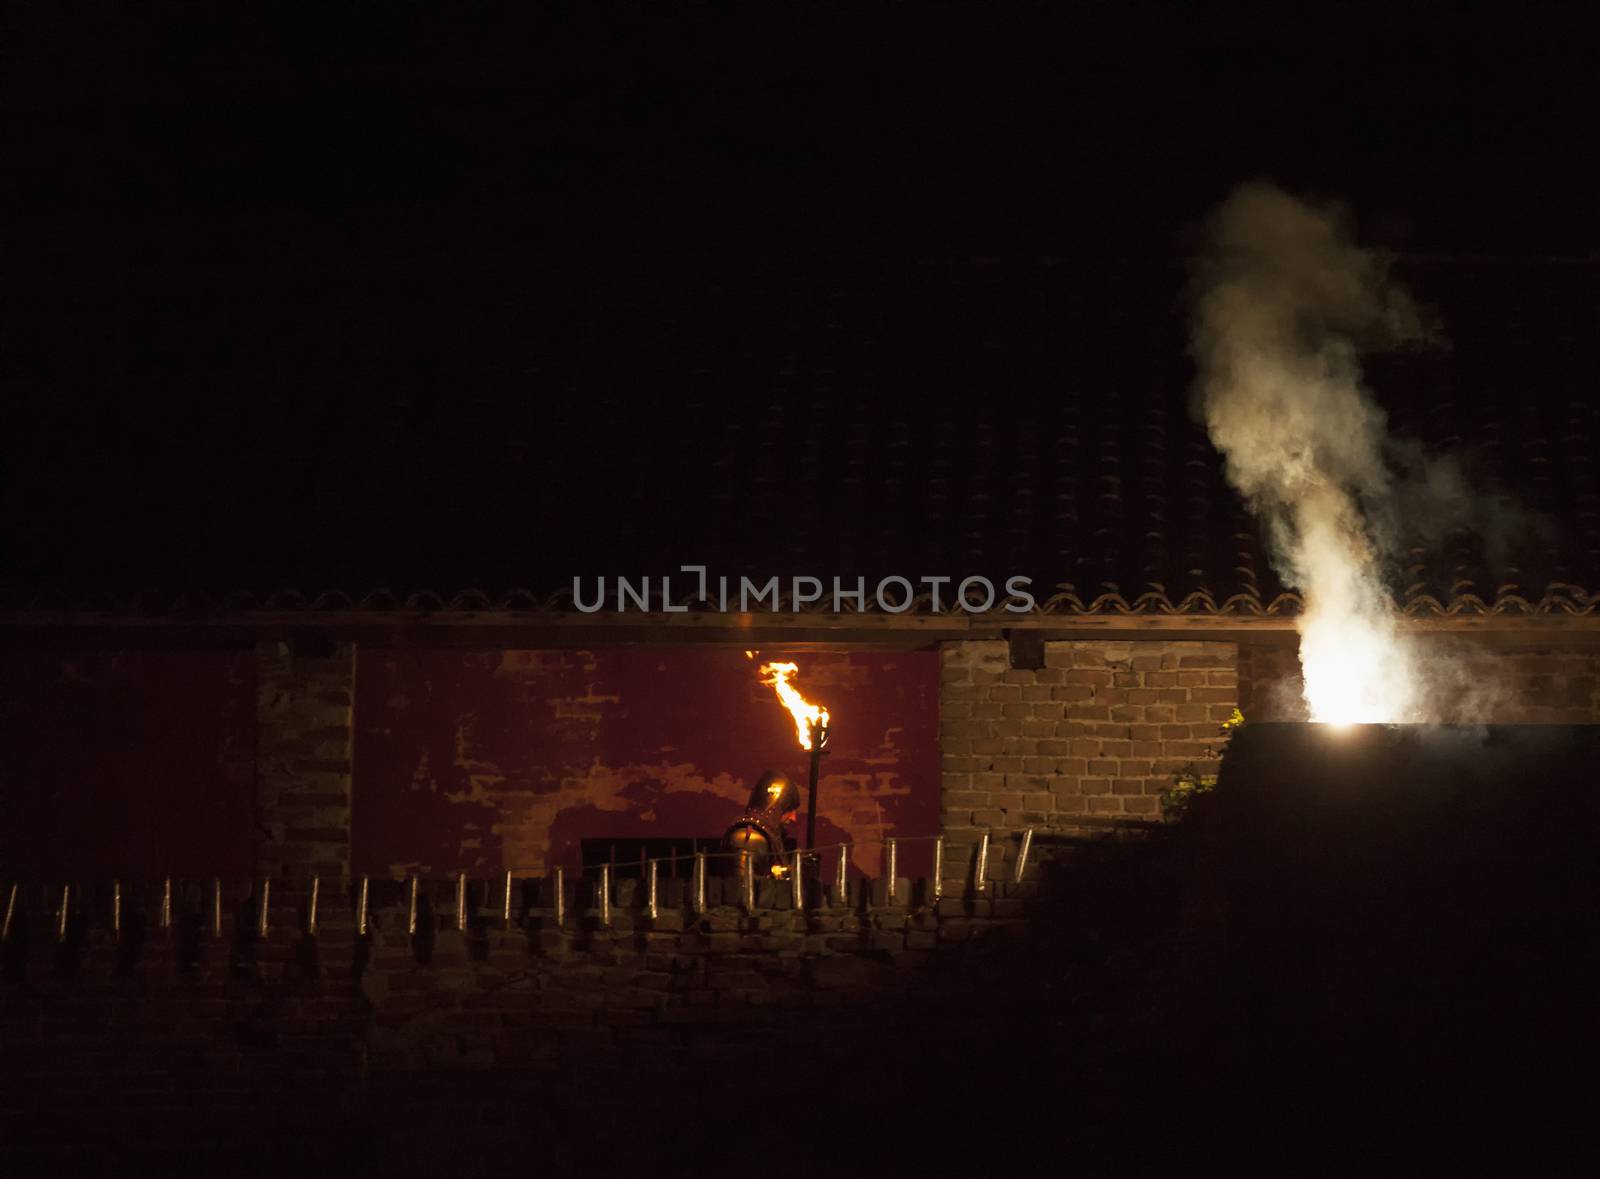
<point x="487" y="759"/>
<point x="1096" y="734"/>
<point x="1270" y="687"/>
<point x="185" y="1036"/>
<point x="171" y="1037"/>
<point x="658" y="993"/>
<point x="305" y="723"/>
<point x="1470" y="684"/>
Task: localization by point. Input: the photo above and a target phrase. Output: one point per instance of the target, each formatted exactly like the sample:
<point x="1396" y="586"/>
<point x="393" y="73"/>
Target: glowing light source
<point x="807" y="716"/>
<point x="1285" y="303"/>
<point x="1359" y="668"/>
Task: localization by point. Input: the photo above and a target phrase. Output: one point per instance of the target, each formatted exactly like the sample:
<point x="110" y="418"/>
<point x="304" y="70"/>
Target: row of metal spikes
<point x="793" y="873"/>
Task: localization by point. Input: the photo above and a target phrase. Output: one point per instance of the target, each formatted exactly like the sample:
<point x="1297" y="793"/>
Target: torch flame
<point x="806" y="715"/>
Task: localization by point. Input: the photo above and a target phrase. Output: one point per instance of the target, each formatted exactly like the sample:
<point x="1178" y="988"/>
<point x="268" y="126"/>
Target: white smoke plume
<point x="1284" y="302"/>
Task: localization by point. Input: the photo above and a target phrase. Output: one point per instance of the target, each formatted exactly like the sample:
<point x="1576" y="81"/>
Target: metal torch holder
<point x="819" y="742"/>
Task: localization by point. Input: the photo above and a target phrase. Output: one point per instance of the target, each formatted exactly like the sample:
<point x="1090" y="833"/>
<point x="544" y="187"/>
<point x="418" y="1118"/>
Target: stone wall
<point x="305" y="723"/>
<point x="655" y="993"/>
<point x="182" y="1035"/>
<point x="1093" y="737"/>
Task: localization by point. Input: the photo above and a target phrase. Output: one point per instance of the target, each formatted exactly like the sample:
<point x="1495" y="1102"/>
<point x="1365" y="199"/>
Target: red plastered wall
<point x="139" y="763"/>
<point x="484" y="761"/>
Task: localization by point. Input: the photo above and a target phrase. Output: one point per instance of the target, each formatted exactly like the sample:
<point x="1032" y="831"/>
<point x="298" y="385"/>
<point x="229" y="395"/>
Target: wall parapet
<point x="214" y="1023"/>
<point x="556" y="994"/>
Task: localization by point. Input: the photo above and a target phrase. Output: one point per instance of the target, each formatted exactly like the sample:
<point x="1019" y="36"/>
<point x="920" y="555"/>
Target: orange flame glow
<point x="805" y="713"/>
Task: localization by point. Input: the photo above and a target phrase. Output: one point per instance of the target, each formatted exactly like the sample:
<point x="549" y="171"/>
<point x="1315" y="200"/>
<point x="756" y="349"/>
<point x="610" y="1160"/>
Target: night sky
<point x="249" y="254"/>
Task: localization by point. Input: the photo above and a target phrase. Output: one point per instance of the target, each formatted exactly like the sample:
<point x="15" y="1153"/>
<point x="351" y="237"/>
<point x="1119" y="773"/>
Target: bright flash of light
<point x="806" y="715"/>
<point x="1285" y="304"/>
<point x="1359" y="668"/>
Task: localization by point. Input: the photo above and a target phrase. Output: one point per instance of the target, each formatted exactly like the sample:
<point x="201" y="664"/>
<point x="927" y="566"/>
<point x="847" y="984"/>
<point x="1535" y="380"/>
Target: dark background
<point x="347" y="297"/>
<point x="133" y="763"/>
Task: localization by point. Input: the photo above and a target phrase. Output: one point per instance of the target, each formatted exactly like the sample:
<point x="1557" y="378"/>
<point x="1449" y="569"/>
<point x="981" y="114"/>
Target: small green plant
<point x="1198" y="777"/>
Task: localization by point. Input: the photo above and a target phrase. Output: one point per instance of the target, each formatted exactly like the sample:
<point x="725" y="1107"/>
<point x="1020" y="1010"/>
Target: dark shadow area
<point x="1368" y="949"/>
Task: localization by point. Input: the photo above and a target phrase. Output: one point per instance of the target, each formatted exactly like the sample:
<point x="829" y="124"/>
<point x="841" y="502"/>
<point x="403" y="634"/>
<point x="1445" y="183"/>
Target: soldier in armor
<point x="760" y="830"/>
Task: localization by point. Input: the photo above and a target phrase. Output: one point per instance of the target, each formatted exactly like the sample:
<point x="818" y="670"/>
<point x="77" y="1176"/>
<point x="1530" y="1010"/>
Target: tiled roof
<point x="1557" y="600"/>
<point x="759" y="417"/>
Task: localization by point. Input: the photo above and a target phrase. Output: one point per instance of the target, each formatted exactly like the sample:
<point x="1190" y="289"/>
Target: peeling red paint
<point x="488" y="761"/>
<point x="135" y="762"/>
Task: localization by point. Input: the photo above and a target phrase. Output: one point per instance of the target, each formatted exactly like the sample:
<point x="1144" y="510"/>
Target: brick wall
<point x="1270" y="687"/>
<point x="305" y="721"/>
<point x="1092" y="737"/>
<point x="150" y="1030"/>
<point x="185" y="1036"/>
<point x="653" y="992"/>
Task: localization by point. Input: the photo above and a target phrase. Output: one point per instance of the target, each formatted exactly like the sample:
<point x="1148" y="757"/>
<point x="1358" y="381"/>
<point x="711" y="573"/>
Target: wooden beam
<point x="510" y="629"/>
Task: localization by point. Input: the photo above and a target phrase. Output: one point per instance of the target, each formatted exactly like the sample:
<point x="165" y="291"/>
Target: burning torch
<point x="811" y="727"/>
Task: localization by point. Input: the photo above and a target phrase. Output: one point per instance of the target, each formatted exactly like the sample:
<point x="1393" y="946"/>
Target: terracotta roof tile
<point x="763" y="418"/>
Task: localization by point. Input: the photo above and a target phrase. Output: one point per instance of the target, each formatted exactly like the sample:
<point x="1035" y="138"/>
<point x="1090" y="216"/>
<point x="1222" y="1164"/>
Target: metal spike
<point x="116" y="908"/>
<point x="559" y="884"/>
<point x="841" y="876"/>
<point x="461" y="901"/>
<point x="747" y="881"/>
<point x="61" y="924"/>
<point x="11" y="908"/>
<point x="361" y="908"/>
<point x="311" y="909"/>
<point x="505" y="916"/>
<point x="651" y="910"/>
<point x="797" y="887"/>
<point x="216" y="906"/>
<point x="891" y="862"/>
<point x="263" y="907"/>
<point x="936" y="885"/>
<point x="411" y="909"/>
<point x="1022" y="856"/>
<point x="698" y="889"/>
<point x="605" y="895"/>
<point x="166" y="904"/>
<point x="981" y="867"/>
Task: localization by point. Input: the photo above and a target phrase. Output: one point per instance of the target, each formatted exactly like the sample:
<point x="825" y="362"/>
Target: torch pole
<point x="819" y="735"/>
